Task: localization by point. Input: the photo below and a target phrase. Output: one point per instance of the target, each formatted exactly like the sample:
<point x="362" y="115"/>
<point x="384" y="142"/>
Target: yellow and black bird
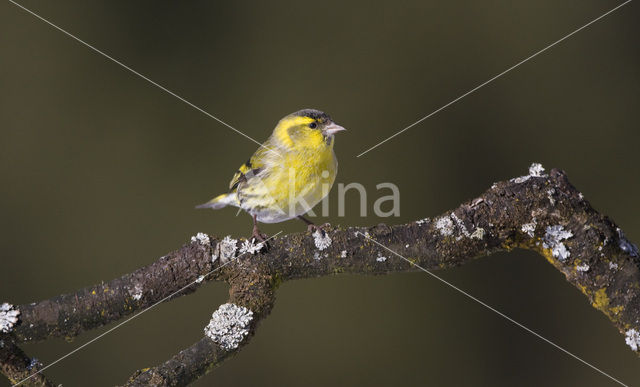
<point x="289" y="174"/>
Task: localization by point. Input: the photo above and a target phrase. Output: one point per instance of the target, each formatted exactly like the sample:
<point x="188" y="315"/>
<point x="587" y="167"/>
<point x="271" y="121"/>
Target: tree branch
<point x="16" y="365"/>
<point x="253" y="290"/>
<point x="544" y="213"/>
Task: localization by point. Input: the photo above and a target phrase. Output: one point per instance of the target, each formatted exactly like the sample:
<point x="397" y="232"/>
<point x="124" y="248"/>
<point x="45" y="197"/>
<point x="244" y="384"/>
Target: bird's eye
<point x="313" y="125"/>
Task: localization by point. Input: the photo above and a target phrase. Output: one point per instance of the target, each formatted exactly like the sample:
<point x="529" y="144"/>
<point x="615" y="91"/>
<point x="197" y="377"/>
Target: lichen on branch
<point x="539" y="212"/>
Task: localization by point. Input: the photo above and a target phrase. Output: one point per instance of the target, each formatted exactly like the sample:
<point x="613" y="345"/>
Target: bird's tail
<point x="221" y="201"/>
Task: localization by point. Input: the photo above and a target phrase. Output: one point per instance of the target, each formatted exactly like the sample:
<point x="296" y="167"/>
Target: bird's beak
<point x="332" y="128"/>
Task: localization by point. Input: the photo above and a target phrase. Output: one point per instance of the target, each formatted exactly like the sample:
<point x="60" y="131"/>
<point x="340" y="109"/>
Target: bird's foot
<point x="260" y="237"/>
<point x="313" y="228"/>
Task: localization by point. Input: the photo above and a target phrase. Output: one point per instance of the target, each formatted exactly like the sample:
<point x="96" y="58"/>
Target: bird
<point x="292" y="171"/>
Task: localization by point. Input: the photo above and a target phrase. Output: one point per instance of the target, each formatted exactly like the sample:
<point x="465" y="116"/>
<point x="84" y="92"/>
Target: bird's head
<point x="307" y="128"/>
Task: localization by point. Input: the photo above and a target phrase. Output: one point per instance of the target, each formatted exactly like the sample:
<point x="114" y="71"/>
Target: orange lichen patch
<point x="583" y="289"/>
<point x="601" y="300"/>
<point x="533" y="244"/>
<point x="510" y="245"/>
<point x="617" y="309"/>
<point x="548" y="254"/>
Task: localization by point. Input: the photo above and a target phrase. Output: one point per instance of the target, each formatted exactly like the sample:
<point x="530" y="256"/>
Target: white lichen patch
<point x="229" y="325"/>
<point x="520" y="179"/>
<point x="613" y="266"/>
<point x="406" y="246"/>
<point x="632" y="338"/>
<point x="422" y="221"/>
<point x="529" y="228"/>
<point x="536" y="170"/>
<point x="550" y="193"/>
<point x="8" y="317"/>
<point x="553" y="240"/>
<point x="136" y="292"/>
<point x="321" y="239"/>
<point x="445" y="226"/>
<point x="251" y="247"/>
<point x="317" y="256"/>
<point x="381" y="259"/>
<point x="478" y="233"/>
<point x="460" y="224"/>
<point x="582" y="268"/>
<point x="227" y="248"/>
<point x="448" y="224"/>
<point x="343" y="254"/>
<point x="201" y="238"/>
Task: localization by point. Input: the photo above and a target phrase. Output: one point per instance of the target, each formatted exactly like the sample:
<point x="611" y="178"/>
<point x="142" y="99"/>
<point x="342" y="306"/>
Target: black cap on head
<point x="313" y="113"/>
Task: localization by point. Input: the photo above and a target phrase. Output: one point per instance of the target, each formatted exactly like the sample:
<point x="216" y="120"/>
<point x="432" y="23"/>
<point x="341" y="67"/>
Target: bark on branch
<point x="17" y="366"/>
<point x="544" y="213"/>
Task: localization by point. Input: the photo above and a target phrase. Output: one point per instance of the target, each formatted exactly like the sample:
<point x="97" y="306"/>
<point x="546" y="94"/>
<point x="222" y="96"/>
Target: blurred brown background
<point x="100" y="172"/>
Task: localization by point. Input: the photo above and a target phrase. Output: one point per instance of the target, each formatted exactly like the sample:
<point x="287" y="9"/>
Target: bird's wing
<point x="249" y="169"/>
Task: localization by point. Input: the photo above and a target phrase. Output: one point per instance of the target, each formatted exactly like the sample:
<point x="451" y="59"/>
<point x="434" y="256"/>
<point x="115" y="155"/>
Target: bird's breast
<point x="289" y="188"/>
